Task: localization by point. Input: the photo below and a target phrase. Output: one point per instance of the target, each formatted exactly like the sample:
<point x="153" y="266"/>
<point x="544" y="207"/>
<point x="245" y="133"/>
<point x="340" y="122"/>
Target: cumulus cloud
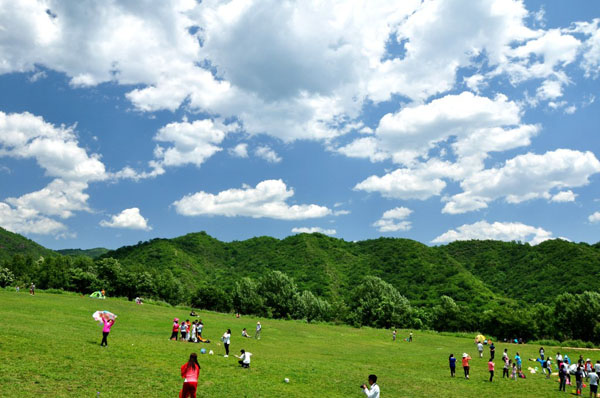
<point x="267" y="200"/>
<point x="268" y="154"/>
<point x="594" y="218"/>
<point x="506" y="231"/>
<point x="525" y="177"/>
<point x="312" y="230"/>
<point x="57" y="151"/>
<point x="127" y="219"/>
<point x="402" y="184"/>
<point x="394" y="220"/>
<point x="564" y="196"/>
<point x="240" y="150"/>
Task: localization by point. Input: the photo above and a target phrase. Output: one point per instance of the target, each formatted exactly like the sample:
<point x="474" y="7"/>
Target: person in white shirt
<point x="226" y="340"/>
<point x="480" y="349"/>
<point x="373" y="390"/>
<point x="597" y="367"/>
<point x="244" y="359"/>
<point x="593" y="377"/>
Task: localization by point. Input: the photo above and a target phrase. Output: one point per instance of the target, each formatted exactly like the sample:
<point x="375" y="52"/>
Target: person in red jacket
<point x="190" y="371"/>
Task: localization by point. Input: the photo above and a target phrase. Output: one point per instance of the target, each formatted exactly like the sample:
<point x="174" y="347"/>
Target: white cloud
<point x="28" y="221"/>
<point x="240" y="150"/>
<point x="402" y="184"/>
<point x="341" y="212"/>
<point x="523" y="178"/>
<point x="127" y="219"/>
<point x="564" y="196"/>
<point x="268" y="199"/>
<point x="268" y="154"/>
<point x="505" y="231"/>
<point x="312" y="230"/>
<point x="394" y="220"/>
<point x="594" y="218"/>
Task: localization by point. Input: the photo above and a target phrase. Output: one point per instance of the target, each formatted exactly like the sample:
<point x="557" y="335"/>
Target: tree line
<point x="372" y="302"/>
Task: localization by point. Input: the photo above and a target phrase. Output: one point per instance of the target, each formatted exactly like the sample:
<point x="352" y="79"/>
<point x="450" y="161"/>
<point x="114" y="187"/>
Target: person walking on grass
<point x="190" y="372"/>
<point x="593" y="378"/>
<point x="452" y="362"/>
<point x="480" y="349"/>
<point x="175" y="330"/>
<point x="258" y="329"/>
<point x="465" y="364"/>
<point x="226" y="340"/>
<point x="491" y="365"/>
<point x="372" y="391"/>
<point x="108" y="323"/>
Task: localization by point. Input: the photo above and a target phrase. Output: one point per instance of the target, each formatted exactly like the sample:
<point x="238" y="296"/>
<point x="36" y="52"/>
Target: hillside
<point x="327" y="266"/>
<point x="91" y="253"/>
<point x="11" y="244"/>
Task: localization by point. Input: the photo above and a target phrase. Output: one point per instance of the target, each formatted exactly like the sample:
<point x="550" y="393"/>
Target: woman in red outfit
<point x="190" y="371"/>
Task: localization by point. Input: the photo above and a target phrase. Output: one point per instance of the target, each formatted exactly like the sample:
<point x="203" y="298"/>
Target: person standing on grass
<point x="480" y="349"/>
<point x="108" y="323"/>
<point x="597" y="367"/>
<point x="506" y="366"/>
<point x="518" y="362"/>
<point x="410" y="337"/>
<point x="505" y="353"/>
<point x="593" y="378"/>
<point x="258" y="329"/>
<point x="562" y="376"/>
<point x="373" y="390"/>
<point x="452" y="362"/>
<point x="32" y="289"/>
<point x="183" y="329"/>
<point x="199" y="328"/>
<point x="542" y="353"/>
<point x="190" y="372"/>
<point x="465" y="363"/>
<point x="175" y="330"/>
<point x="491" y="365"/>
<point x="394" y="335"/>
<point x="578" y="380"/>
<point x="514" y="371"/>
<point x="226" y="340"/>
<point x="492" y="350"/>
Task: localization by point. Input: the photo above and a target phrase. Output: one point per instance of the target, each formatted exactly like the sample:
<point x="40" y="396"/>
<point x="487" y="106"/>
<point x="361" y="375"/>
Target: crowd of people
<point x="582" y="370"/>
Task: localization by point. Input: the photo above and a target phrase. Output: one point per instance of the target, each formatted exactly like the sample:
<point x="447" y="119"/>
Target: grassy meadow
<point x="49" y="347"/>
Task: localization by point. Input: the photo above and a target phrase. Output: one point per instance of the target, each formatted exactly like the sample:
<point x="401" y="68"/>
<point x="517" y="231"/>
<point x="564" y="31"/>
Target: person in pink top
<point x="491" y="369"/>
<point x="108" y="323"/>
<point x="190" y="371"/>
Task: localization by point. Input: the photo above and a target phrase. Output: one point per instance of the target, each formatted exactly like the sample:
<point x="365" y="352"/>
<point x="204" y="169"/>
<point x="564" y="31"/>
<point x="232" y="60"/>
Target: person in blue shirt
<point x="452" y="361"/>
<point x="518" y="361"/>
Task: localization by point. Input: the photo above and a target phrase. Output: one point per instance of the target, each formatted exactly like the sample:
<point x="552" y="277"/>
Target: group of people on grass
<point x="512" y="368"/>
<point x="409" y="338"/>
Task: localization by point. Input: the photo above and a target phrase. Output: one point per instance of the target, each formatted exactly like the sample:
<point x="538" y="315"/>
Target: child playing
<point x="491" y="369"/>
<point x="514" y="371"/>
<point x="183" y="329"/>
<point x="505" y="368"/>
<point x="175" y="331"/>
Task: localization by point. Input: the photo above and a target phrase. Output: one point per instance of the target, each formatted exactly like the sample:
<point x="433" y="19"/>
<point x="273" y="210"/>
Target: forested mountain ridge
<point x="12" y="244"/>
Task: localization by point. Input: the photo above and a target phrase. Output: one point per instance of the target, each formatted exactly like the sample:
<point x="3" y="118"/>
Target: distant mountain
<point x="91" y="253"/>
<point x="11" y="244"/>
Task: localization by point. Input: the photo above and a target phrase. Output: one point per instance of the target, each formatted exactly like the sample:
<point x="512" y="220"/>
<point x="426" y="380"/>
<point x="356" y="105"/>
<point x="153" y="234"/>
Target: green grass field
<point x="49" y="347"/>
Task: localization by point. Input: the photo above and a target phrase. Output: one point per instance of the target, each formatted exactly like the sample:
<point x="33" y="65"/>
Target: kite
<point x="99" y="315"/>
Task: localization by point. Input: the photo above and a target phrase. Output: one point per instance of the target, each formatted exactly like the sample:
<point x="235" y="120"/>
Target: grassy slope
<point x="49" y="346"/>
<point x="11" y="244"/>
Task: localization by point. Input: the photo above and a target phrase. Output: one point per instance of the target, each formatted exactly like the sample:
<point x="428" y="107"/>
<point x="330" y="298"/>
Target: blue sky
<point x="430" y="120"/>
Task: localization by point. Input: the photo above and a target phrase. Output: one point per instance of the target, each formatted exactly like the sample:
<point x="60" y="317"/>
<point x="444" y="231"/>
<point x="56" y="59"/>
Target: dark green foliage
<point x="6" y="277"/>
<point x="279" y="292"/>
<point x="12" y="244"/>
<point x="212" y="298"/>
<point x="91" y="253"/>
<point x="247" y="299"/>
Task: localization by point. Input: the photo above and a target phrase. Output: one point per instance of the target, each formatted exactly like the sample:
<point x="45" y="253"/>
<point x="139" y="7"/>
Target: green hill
<point x="91" y="253"/>
<point x="12" y="244"/>
<point x="328" y="267"/>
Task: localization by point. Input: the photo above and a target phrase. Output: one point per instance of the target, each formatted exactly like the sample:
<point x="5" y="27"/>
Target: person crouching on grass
<point x="190" y="372"/>
<point x="373" y="390"/>
<point x="244" y="359"/>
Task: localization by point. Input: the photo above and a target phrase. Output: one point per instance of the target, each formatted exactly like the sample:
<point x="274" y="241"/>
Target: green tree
<point x="246" y="297"/>
<point x="311" y="307"/>
<point x="6" y="277"/>
<point x="212" y="298"/>
<point x="279" y="292"/>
